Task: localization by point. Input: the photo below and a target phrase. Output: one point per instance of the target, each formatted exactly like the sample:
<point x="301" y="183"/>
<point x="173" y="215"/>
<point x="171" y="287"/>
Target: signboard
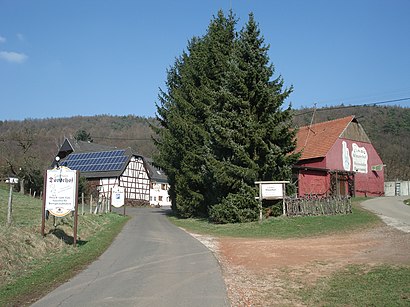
<point x="360" y="158"/>
<point x="272" y="191"/>
<point x="12" y="180"/>
<point x="117" y="197"/>
<point x="358" y="162"/>
<point x="61" y="191"/>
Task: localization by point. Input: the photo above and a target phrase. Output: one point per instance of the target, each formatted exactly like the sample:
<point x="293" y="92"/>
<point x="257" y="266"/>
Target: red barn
<point x="337" y="159"/>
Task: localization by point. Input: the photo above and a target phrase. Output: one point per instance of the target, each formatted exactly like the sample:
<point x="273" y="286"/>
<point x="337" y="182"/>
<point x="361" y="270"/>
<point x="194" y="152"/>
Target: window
<point x="163" y="186"/>
<point x="159" y="198"/>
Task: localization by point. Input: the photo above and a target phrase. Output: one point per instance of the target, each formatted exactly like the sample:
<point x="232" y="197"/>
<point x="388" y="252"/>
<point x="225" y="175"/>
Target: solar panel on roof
<point x="96" y="161"/>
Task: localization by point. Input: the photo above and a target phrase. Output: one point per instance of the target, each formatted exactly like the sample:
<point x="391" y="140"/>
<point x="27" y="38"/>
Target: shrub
<point x="235" y="208"/>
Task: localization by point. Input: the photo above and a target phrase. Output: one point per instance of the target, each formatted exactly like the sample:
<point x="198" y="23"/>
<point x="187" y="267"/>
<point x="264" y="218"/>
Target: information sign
<point x="272" y="190"/>
<point x="117" y="196"/>
<point x="61" y="191"/>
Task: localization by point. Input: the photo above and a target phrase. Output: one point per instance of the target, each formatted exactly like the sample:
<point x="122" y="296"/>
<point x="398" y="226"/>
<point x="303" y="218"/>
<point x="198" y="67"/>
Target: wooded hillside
<point x="36" y="141"/>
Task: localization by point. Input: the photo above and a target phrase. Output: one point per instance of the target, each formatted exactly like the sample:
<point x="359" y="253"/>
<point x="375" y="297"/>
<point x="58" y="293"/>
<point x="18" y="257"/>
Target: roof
<point x="97" y="164"/>
<point x="84" y="146"/>
<point x="155" y="173"/>
<point x="97" y="161"/>
<point x="316" y="140"/>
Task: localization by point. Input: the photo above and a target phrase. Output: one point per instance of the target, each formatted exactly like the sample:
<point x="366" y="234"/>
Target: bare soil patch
<point x="265" y="272"/>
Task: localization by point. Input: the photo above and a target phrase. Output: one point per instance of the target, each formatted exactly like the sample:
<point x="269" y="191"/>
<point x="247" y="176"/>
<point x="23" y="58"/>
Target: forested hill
<point x="41" y="138"/>
<point x="387" y="127"/>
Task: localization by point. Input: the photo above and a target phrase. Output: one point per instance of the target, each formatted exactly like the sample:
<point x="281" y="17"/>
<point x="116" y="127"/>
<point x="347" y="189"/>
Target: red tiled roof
<point x="315" y="141"/>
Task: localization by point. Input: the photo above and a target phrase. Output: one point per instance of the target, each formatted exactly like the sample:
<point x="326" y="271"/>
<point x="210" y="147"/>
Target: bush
<point x="235" y="208"/>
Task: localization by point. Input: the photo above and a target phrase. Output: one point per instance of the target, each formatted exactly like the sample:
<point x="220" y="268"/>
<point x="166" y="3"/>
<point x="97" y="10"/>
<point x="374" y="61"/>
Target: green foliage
<point x="82" y="135"/>
<point x="235" y="208"/>
<point x="221" y="123"/>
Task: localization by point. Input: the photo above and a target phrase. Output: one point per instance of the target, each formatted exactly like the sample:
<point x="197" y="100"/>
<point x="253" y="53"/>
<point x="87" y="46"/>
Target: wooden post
<point x="43" y="209"/>
<point x="76" y="210"/>
<point x="110" y="200"/>
<point x="91" y="203"/>
<point x="260" y="202"/>
<point x="82" y="203"/>
<point x="9" y="207"/>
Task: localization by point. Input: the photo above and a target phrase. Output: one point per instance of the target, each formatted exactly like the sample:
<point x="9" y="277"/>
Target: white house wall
<point x="135" y="180"/>
<point x="159" y="194"/>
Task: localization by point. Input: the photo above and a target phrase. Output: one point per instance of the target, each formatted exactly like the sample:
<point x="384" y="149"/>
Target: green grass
<point x="285" y="227"/>
<point x="32" y="265"/>
<point x="360" y="285"/>
<point x="407" y="202"/>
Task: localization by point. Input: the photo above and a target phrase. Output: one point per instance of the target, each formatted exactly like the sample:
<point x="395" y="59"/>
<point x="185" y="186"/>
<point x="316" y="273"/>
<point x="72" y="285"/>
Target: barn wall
<point x="316" y="163"/>
<point x="359" y="157"/>
<point x="313" y="182"/>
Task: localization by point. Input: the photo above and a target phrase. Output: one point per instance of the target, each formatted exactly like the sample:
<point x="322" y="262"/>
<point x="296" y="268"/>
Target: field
<point x="346" y="260"/>
<point x="31" y="265"/>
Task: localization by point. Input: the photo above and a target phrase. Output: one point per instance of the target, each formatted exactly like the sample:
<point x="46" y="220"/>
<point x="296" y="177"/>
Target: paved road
<point x="391" y="210"/>
<point x="151" y="263"/>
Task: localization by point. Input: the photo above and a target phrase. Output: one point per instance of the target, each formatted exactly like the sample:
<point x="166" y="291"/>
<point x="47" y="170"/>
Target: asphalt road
<point x="391" y="210"/>
<point x="151" y="263"/>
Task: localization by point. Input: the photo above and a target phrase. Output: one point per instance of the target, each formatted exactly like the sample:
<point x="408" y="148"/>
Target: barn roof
<point x="316" y="140"/>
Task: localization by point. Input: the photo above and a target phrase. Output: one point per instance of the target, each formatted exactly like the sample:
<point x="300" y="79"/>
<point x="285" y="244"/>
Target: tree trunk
<point x="21" y="185"/>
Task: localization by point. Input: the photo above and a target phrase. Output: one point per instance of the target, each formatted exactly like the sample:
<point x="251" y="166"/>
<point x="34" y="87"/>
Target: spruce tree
<point x="222" y="126"/>
<point x="184" y="108"/>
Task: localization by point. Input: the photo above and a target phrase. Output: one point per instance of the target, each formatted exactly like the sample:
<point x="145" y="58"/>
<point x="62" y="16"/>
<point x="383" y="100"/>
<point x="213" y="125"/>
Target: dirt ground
<point x="263" y="272"/>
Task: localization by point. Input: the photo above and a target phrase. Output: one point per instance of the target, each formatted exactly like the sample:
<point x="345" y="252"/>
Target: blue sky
<point x="89" y="57"/>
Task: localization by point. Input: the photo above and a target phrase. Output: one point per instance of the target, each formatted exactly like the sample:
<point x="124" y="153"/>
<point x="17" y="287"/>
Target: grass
<point x="30" y="265"/>
<point x="361" y="285"/>
<point x="354" y="285"/>
<point x="285" y="227"/>
<point x="407" y="202"/>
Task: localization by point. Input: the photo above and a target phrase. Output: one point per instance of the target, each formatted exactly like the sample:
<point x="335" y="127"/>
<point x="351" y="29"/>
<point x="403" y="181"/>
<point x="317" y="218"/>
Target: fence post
<point x="91" y="203"/>
<point x="82" y="203"/>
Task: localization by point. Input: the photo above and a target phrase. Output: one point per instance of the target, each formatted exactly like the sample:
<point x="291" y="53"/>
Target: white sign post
<point x="117" y="197"/>
<point x="61" y="195"/>
<point x="271" y="190"/>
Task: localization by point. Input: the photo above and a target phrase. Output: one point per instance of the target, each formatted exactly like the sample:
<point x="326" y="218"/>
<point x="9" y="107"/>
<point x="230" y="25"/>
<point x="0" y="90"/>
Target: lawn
<point x="362" y="285"/>
<point x="31" y="265"/>
<point x="353" y="285"/>
<point x="285" y="227"/>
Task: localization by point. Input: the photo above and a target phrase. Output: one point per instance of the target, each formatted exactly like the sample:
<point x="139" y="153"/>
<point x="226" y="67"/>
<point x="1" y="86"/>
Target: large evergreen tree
<point x="192" y="85"/>
<point x="221" y="123"/>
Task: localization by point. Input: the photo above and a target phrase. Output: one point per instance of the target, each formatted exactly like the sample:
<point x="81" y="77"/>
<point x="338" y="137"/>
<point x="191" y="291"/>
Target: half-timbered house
<point x="105" y="167"/>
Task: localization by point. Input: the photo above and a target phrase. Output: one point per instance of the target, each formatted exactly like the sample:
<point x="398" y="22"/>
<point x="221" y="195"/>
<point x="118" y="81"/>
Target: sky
<point x="90" y="57"/>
